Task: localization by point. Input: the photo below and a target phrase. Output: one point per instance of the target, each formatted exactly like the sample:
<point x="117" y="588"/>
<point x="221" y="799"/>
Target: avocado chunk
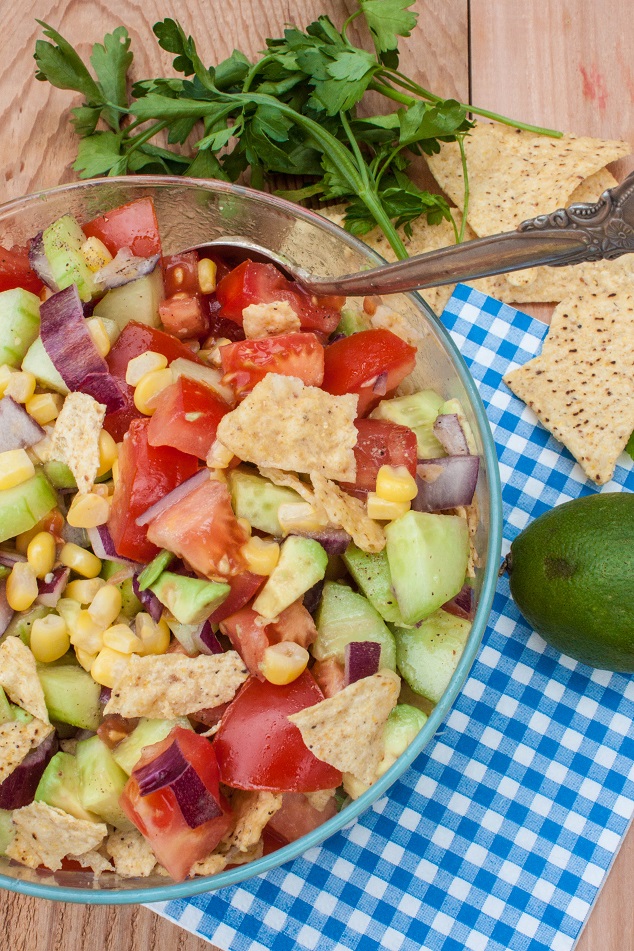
<point x="19" y="324"/>
<point x="38" y="362"/>
<point x="59" y="787"/>
<point x="24" y="505"/>
<point x="302" y="564"/>
<point x="255" y="498"/>
<point x="7" y="830"/>
<point x="138" y="299"/>
<point x="152" y="572"/>
<point x="71" y="695"/>
<point x="128" y="752"/>
<point x="346" y="616"/>
<point x="371" y="572"/>
<point x="419" y="412"/>
<point x="62" y="243"/>
<point x="190" y="600"/>
<point x="428" y="556"/>
<point x="428" y="655"/>
<point x="101" y="782"/>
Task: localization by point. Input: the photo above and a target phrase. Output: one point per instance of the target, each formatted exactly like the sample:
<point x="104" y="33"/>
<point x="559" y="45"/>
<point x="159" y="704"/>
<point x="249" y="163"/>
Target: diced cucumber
<point x="138" y="300"/>
<point x="71" y="695"/>
<point x="428" y="655"/>
<point x="101" y="782"/>
<point x="22" y="621"/>
<point x="454" y="407"/>
<point x="59" y="475"/>
<point x="147" y="732"/>
<point x="190" y="600"/>
<point x="346" y="616"/>
<point x="419" y="412"/>
<point x="24" y="505"/>
<point x="130" y="604"/>
<point x="6" y="713"/>
<point x="62" y="242"/>
<point x="59" y="787"/>
<point x="19" y="324"/>
<point x="428" y="556"/>
<point x="403" y="724"/>
<point x="255" y="498"/>
<point x="7" y="830"/>
<point x="353" y="320"/>
<point x="371" y="572"/>
<point x="38" y="362"/>
<point x="302" y="564"/>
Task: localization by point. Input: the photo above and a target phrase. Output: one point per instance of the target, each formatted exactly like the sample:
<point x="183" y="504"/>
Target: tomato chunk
<point x="132" y="226"/>
<point x="244" y="587"/>
<point x="354" y="365"/>
<point x="158" y="815"/>
<point x="247" y="362"/>
<point x="202" y="529"/>
<point x="251" y="634"/>
<point x="186" y="417"/>
<point x="298" y="817"/>
<point x="183" y="315"/>
<point x="146" y="474"/>
<point x="381" y="443"/>
<point x="180" y="273"/>
<point x="136" y="338"/>
<point x="257" y="747"/>
<point x="16" y="271"/>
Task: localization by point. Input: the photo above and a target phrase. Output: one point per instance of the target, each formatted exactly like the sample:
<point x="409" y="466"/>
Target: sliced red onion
<point x="334" y="540"/>
<point x="77" y="536"/>
<point x="9" y="558"/>
<point x="18" y="430"/>
<point x="450" y="434"/>
<point x="124" y="268"/>
<point x="361" y="659"/>
<point x="445" y="483"/>
<point x="380" y="384"/>
<point x="208" y="640"/>
<point x="18" y="789"/>
<point x="49" y="592"/>
<point x="221" y="326"/>
<point x="312" y="597"/>
<point x="106" y="389"/>
<point x="103" y="546"/>
<point x="462" y="605"/>
<point x="39" y="262"/>
<point x="6" y="612"/>
<point x="148" y="599"/>
<point x="123" y="574"/>
<point x="180" y="492"/>
<point x="170" y="768"/>
<point x="104" y="696"/>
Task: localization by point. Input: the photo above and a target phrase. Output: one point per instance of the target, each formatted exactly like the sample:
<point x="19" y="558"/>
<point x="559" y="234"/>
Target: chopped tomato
<point x="247" y="362"/>
<point x="254" y="283"/>
<point x="16" y="271"/>
<point x="244" y="587"/>
<point x="381" y="443"/>
<point x="247" y="632"/>
<point x="202" y="529"/>
<point x="146" y="474"/>
<point x="186" y="417"/>
<point x="295" y="623"/>
<point x="180" y="273"/>
<point x="259" y="748"/>
<point x="354" y="364"/>
<point x="298" y="816"/>
<point x="132" y="226"/>
<point x="158" y="815"/>
<point x="220" y="326"/>
<point x="329" y="675"/>
<point x="136" y="338"/>
<point x="183" y="315"/>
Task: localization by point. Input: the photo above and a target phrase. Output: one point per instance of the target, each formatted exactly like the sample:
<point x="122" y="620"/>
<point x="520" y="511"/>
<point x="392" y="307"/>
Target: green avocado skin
<point x="572" y="577"/>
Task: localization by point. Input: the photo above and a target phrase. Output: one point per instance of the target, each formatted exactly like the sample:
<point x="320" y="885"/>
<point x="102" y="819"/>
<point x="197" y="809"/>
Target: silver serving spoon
<point x="582" y="232"/>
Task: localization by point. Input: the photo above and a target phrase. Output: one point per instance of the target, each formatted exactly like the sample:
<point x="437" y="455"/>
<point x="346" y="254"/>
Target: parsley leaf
<point x="387" y="20"/>
<point x="111" y="63"/>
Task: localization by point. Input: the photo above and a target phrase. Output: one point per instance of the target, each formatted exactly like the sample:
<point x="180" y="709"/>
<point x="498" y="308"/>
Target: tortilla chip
<point x="93" y="860"/>
<point x="213" y="864"/>
<point x="515" y="175"/>
<point x="581" y="386"/>
<point x="285" y="425"/>
<point x="592" y="187"/>
<point x="266" y="320"/>
<point x="165" y="686"/>
<point x="17" y="739"/>
<point x="252" y="811"/>
<point x="45" y="835"/>
<point x="131" y="853"/>
<point x="346" y="731"/>
<point x="346" y="512"/>
<point x="19" y="679"/>
<point x="75" y="439"/>
<point x="320" y="798"/>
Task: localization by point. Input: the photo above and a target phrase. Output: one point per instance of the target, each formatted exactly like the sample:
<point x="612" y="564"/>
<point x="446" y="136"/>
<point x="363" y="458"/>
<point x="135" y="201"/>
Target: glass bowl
<point x="191" y="211"/>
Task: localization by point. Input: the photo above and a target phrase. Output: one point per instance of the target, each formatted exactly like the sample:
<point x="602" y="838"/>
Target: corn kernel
<point x="155" y="636"/>
<point x="108" y="453"/>
<point x="383" y="510"/>
<point x="396" y="484"/>
<point x="121" y="638"/>
<point x="284" y="662"/>
<point x="44" y="407"/>
<point x="148" y="389"/>
<point x="5" y="376"/>
<point x="86" y="633"/>
<point x="299" y="516"/>
<point x="49" y="638"/>
<point x="86" y="660"/>
<point x="83" y="590"/>
<point x="21" y="589"/>
<point x="207" y="275"/>
<point x="99" y="334"/>
<point x="261" y="555"/>
<point x="105" y="607"/>
<point x="21" y="386"/>
<point x="219" y="456"/>
<point x="42" y="449"/>
<point x="144" y="363"/>
<point x="40" y="554"/>
<point x="115" y="471"/>
<point x="88" y="511"/>
<point x="109" y="666"/>
<point x="95" y="254"/>
<point x="245" y="525"/>
<point x="69" y="610"/>
<point x="15" y="468"/>
<point x="80" y="560"/>
<point x="102" y="489"/>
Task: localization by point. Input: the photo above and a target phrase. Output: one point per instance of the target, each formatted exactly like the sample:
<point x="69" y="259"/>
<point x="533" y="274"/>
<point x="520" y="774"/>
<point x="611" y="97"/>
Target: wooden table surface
<point x="563" y="63"/>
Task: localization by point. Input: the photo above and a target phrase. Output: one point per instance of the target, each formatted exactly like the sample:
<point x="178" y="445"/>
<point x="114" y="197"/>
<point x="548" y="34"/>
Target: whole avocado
<point x="572" y="577"/>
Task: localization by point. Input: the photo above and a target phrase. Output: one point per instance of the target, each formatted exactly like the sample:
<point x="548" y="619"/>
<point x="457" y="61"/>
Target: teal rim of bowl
<point x="196" y="886"/>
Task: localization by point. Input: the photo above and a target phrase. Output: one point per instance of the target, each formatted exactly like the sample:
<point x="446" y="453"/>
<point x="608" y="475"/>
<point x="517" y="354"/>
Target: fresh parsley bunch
<point x="293" y="111"/>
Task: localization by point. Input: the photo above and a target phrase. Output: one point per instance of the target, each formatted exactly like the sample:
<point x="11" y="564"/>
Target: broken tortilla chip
<point x="19" y="679"/>
<point x="45" y="835"/>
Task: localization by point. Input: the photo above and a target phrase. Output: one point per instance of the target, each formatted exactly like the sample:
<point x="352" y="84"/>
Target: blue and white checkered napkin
<point x="501" y="834"/>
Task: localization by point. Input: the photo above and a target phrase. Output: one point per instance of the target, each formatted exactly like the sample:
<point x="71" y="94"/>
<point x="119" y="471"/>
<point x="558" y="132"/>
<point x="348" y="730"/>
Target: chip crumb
<point x="211" y="865"/>
<point x="320" y="798"/>
<point x="131" y="853"/>
<point x="267" y="320"/>
<point x="346" y="512"/>
<point x="166" y="686"/>
<point x="19" y="679"/>
<point x="75" y="439"/>
<point x="17" y="739"/>
<point x="93" y="860"/>
<point x="45" y="835"/>
<point x="252" y="811"/>
<point x="346" y="730"/>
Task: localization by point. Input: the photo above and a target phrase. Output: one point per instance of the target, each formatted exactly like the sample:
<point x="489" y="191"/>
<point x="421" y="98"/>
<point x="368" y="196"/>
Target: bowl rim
<point x="346" y="818"/>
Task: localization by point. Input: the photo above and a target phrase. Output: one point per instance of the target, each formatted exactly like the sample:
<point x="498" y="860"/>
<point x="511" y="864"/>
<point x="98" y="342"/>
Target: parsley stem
<point x="344" y="28"/>
<point x="465" y="175"/>
<point x="137" y="140"/>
